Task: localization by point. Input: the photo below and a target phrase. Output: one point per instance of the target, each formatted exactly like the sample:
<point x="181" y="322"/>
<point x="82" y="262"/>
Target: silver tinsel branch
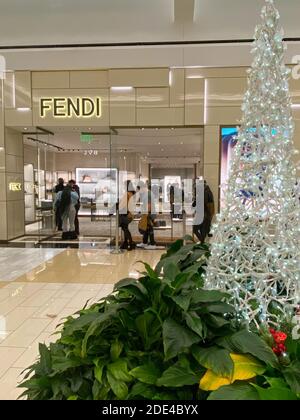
<point x="255" y="252"/>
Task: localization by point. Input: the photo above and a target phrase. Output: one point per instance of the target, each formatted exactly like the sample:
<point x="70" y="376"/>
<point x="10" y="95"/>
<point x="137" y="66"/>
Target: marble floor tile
<point x="8" y="357"/>
<point x="17" y="261"/>
<point x="29" y="356"/>
<point x="26" y="334"/>
<point x="39" y="298"/>
<point x="57" y="284"/>
<point x="15" y="318"/>
<point x="52" y="308"/>
<point x="9" y="382"/>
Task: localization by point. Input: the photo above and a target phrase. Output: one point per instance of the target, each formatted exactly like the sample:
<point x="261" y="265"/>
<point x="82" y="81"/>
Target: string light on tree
<point x="255" y="252"/>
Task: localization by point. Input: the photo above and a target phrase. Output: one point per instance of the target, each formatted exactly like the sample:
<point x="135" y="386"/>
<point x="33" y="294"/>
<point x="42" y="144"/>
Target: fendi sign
<point x="70" y="107"/>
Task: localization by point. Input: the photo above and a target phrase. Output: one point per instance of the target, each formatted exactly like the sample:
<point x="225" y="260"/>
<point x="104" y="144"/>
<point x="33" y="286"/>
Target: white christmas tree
<point x="255" y="250"/>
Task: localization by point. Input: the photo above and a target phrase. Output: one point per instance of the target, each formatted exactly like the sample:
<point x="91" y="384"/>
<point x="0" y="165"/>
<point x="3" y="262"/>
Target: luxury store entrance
<point x="165" y="161"/>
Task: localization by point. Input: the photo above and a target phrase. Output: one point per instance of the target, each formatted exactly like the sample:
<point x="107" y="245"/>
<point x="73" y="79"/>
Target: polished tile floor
<point x="39" y="287"/>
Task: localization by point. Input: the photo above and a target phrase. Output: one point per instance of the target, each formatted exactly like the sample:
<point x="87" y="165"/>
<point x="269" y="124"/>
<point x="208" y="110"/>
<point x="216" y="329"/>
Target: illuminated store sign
<point x="15" y="186"/>
<point x="75" y="107"/>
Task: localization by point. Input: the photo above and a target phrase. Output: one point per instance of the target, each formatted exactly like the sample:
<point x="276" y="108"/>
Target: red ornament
<point x="279" y="340"/>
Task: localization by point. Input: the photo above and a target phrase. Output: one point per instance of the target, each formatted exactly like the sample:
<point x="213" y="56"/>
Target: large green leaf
<point x="179" y="280"/>
<point x="183" y="301"/>
<point x="220" y="308"/>
<point x="98" y="369"/>
<point x="213" y="358"/>
<point x="171" y="270"/>
<point x="133" y="287"/>
<point x="237" y="391"/>
<point x="195" y="324"/>
<point x="96" y="389"/>
<point x="215" y="321"/>
<point x="177" y="338"/>
<point x="142" y="390"/>
<point x="275" y="393"/>
<point x="204" y="296"/>
<point x="178" y="376"/>
<point x="80" y="322"/>
<point x="149" y="270"/>
<point x="95" y="328"/>
<point x="248" y="342"/>
<point x="118" y="387"/>
<point x="60" y="365"/>
<point x="143" y="325"/>
<point x="198" y="255"/>
<point x="76" y="382"/>
<point x="226" y="343"/>
<point x="119" y="370"/>
<point x="116" y="349"/>
<point x="45" y="359"/>
<point x="292" y="376"/>
<point x="148" y="373"/>
<point x="129" y="282"/>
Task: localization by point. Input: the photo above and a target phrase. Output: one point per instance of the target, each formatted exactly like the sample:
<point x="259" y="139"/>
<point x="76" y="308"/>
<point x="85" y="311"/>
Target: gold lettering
<point x="15" y="186"/>
<point x="71" y="107"/>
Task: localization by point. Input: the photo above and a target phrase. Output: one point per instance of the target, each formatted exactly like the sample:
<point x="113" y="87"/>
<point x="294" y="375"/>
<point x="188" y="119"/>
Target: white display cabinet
<point x="50" y="182"/>
<point x="40" y="186"/>
<point x="98" y="188"/>
<point x="29" y="193"/>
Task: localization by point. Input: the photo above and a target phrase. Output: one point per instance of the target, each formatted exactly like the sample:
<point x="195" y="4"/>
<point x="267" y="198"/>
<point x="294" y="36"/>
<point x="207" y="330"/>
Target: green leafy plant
<point x="158" y="338"/>
<point x="137" y="342"/>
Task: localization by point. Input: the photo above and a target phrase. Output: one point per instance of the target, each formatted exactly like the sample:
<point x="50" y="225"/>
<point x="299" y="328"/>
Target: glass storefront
<point x="167" y="160"/>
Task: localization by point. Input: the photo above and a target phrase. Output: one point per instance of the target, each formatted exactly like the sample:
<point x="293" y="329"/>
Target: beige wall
<point x="159" y="97"/>
<point x="12" y="202"/>
<point x="71" y="161"/>
<point x="3" y="210"/>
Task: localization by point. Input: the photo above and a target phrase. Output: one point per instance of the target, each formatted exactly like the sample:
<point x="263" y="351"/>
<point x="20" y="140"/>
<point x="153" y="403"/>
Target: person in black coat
<point x="59" y="187"/>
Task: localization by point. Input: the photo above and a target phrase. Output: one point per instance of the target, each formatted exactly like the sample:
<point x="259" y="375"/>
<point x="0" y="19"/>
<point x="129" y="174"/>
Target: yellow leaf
<point x="245" y="367"/>
<point x="210" y="381"/>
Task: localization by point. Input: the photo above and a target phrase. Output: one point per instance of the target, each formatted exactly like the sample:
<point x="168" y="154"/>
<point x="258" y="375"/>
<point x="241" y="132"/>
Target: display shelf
<point x="40" y="186"/>
<point x="98" y="187"/>
<point x="50" y="177"/>
<point x="29" y="193"/>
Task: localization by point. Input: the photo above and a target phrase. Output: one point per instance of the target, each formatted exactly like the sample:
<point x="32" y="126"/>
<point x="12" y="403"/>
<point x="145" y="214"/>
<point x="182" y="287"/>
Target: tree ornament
<point x="255" y="250"/>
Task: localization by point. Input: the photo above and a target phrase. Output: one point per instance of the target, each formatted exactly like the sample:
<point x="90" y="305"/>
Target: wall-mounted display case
<point x="40" y="186"/>
<point x="98" y="188"/>
<point x="29" y="193"/>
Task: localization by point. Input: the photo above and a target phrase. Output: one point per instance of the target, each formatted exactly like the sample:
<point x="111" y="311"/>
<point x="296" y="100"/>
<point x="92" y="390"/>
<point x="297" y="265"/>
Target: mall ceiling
<point x="48" y="22"/>
<point x="93" y="33"/>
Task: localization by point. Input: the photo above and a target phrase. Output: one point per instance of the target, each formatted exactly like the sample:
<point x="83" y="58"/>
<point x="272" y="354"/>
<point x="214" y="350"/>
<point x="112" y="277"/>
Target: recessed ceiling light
<point x="156" y="128"/>
<point x="89" y="128"/>
<point x="181" y="142"/>
<point x="159" y="142"/>
<point x="25" y="128"/>
<point x="142" y="129"/>
<point x="121" y="88"/>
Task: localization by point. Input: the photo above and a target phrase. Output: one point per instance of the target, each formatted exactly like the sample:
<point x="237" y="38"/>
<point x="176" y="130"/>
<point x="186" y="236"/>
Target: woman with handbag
<point x="146" y="224"/>
<point x="126" y="217"/>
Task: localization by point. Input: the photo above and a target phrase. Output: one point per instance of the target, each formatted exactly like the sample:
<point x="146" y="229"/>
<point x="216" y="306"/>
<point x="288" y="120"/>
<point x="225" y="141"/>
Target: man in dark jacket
<point x="203" y="229"/>
<point x="59" y="187"/>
